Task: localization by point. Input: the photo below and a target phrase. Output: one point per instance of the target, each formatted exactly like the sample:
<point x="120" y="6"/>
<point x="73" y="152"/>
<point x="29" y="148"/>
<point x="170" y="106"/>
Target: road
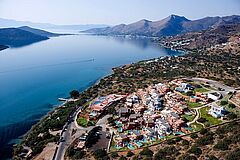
<point x="216" y="85"/>
<point x="67" y="138"/>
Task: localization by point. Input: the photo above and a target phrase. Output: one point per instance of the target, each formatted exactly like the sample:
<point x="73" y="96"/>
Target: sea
<point x="33" y="77"/>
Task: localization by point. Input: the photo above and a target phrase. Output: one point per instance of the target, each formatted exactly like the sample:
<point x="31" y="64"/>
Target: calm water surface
<point x="34" y="76"/>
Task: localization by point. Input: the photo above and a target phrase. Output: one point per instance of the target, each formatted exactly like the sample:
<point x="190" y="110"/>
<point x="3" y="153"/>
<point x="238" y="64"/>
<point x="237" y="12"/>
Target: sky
<point x="112" y="11"/>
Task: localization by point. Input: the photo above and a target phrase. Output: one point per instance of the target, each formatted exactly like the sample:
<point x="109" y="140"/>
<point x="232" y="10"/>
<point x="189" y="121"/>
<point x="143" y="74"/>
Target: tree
<point x="130" y="154"/>
<point x="223" y="103"/>
<point x="122" y="158"/>
<point x="203" y="131"/>
<point x="231" y="116"/>
<point x="194" y="135"/>
<point x="231" y="105"/>
<point x="100" y="154"/>
<point x="146" y="152"/>
<point x="187" y="157"/>
<point x="114" y="154"/>
<point x="185" y="142"/>
<point x="74" y="94"/>
<point x="195" y="150"/>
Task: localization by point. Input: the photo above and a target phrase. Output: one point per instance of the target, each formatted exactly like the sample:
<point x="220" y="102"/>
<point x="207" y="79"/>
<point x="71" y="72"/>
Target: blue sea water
<point x="33" y="77"/>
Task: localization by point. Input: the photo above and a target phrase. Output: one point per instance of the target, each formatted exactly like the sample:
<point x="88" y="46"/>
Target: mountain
<point x="15" y="37"/>
<point x="169" y="26"/>
<point x="7" y="23"/>
<point x="39" y="32"/>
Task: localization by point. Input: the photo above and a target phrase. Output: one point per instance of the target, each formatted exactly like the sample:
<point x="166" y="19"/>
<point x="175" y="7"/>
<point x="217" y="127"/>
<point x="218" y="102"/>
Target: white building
<point x="217" y="111"/>
<point x="162" y="127"/>
<point x="214" y="96"/>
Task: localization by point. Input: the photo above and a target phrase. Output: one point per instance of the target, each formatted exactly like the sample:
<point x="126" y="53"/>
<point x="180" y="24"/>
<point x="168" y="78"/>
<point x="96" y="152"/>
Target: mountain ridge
<point x="39" y="31"/>
<point x="9" y="23"/>
<point x="169" y="26"/>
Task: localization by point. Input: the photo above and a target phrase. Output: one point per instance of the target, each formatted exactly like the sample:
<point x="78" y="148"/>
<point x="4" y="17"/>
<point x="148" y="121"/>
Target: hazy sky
<point x="112" y="11"/>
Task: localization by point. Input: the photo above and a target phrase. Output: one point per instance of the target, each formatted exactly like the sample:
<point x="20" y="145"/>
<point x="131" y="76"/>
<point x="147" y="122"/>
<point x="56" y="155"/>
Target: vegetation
<point x="193" y="104"/>
<point x="130" y="154"/>
<point x="100" y="154"/>
<point x="202" y="90"/>
<point x="75" y="153"/>
<point x="82" y="122"/>
<point x="74" y="94"/>
<point x="114" y="155"/>
<point x="195" y="150"/>
<point x="166" y="152"/>
<point x="146" y="152"/>
<point x="210" y="119"/>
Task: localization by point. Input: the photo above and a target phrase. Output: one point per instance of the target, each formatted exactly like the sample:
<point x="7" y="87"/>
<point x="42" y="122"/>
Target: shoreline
<point x="43" y="118"/>
<point x="89" y="91"/>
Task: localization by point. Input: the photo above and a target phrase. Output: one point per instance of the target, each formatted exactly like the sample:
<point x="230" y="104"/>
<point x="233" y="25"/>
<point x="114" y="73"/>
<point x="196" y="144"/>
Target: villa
<point x="162" y="127"/>
<point x="214" y="96"/>
<point x="217" y="111"/>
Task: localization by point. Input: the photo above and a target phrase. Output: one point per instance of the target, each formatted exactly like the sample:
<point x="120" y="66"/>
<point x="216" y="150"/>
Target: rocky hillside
<point x="169" y="26"/>
<point x="223" y="37"/>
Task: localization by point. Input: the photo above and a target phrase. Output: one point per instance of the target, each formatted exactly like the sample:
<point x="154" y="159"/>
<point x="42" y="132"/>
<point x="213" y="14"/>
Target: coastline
<point x="48" y="114"/>
<point x="108" y="80"/>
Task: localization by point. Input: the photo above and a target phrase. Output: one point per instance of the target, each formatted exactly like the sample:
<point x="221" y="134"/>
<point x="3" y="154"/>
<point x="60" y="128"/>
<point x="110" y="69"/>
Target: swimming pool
<point x="130" y="146"/>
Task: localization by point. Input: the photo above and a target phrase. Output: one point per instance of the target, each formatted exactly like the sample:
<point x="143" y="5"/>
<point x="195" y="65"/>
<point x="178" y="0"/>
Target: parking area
<point x="101" y="142"/>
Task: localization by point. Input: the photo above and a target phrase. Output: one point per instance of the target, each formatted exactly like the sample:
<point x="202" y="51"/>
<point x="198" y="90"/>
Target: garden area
<point x="210" y="120"/>
<point x="193" y="104"/>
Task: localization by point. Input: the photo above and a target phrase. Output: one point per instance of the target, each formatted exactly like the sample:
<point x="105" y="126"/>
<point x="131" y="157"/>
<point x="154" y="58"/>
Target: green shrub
<point x="130" y="154"/>
<point x="194" y="135"/>
<point x="146" y="152"/>
<point x="231" y="105"/>
<point x="195" y="150"/>
<point x="82" y="122"/>
<point x="100" y="154"/>
<point x="234" y="155"/>
<point x="222" y="145"/>
<point x="223" y="103"/>
<point x="114" y="154"/>
<point x="185" y="142"/>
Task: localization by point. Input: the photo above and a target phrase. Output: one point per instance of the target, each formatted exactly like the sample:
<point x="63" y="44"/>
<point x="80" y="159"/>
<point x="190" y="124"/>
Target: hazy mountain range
<point x="172" y="25"/>
<point x="7" y="23"/>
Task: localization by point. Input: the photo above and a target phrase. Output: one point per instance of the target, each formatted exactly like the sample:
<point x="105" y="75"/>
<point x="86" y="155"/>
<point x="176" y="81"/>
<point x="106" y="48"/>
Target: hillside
<point x="223" y="37"/>
<point x="2" y="47"/>
<point x="15" y="37"/>
<point x="169" y="26"/>
<point x="39" y="32"/>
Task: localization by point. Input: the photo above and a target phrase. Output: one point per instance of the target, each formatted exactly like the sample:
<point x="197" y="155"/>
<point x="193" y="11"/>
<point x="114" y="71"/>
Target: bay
<point x="33" y="77"/>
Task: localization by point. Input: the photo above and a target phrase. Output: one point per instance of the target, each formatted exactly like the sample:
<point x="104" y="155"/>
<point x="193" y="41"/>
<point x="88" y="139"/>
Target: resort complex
<point x="155" y="113"/>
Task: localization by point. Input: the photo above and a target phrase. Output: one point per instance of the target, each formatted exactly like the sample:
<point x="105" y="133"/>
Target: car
<point x="97" y="133"/>
<point x="62" y="139"/>
<point x="108" y="135"/>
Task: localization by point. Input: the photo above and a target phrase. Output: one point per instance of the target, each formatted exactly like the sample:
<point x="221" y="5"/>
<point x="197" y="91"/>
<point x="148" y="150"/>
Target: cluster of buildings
<point x="100" y="104"/>
<point x="149" y="114"/>
<point x="153" y="113"/>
